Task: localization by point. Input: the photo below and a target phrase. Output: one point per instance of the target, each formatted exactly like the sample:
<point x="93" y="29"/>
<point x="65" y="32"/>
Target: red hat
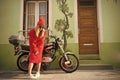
<point x="41" y="22"/>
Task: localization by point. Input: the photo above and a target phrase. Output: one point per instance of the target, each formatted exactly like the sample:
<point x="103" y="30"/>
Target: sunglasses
<point x="41" y="27"/>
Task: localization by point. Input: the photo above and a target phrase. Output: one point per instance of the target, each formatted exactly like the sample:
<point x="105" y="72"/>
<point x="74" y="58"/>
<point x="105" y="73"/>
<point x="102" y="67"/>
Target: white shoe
<point x="32" y="77"/>
<point x="37" y="75"/>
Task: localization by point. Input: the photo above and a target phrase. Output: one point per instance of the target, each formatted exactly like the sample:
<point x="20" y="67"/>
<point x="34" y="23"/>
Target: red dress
<point x="36" y="45"/>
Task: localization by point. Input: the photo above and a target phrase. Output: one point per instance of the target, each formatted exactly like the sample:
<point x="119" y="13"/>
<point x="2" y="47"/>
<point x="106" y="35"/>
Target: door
<point x="87" y="25"/>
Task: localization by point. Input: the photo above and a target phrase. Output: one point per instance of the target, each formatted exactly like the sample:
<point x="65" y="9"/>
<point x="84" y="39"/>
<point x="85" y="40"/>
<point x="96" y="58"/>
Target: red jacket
<point x="36" y="45"/>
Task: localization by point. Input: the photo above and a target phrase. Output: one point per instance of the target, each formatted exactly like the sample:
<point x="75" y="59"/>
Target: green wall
<point x="9" y="24"/>
<point x="7" y="58"/>
<point x="110" y="47"/>
<point x="9" y="19"/>
<point x="57" y="14"/>
<point x="110" y="54"/>
<point x="111" y="20"/>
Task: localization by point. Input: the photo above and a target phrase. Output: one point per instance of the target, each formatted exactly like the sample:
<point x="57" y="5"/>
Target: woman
<point x="36" y="41"/>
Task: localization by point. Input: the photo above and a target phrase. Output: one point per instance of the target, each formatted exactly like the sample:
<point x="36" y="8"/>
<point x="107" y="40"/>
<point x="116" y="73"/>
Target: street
<point x="60" y="75"/>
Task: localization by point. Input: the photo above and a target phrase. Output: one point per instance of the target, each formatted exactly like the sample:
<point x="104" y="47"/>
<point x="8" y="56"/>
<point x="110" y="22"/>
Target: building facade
<point x="95" y="26"/>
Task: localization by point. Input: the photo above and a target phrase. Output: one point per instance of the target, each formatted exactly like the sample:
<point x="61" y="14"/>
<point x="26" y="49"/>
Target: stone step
<point x="95" y="67"/>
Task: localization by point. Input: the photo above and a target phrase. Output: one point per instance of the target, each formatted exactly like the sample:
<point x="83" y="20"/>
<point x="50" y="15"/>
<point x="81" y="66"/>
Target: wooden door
<point x="87" y="25"/>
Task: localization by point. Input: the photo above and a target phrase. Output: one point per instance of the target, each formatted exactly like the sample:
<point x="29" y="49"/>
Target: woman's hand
<point x="36" y="53"/>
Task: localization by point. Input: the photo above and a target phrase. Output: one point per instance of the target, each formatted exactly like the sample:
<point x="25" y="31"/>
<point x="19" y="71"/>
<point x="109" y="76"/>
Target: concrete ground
<point x="60" y="75"/>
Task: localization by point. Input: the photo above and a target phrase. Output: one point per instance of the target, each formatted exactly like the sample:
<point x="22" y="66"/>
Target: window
<point x="87" y="3"/>
<point x="33" y="9"/>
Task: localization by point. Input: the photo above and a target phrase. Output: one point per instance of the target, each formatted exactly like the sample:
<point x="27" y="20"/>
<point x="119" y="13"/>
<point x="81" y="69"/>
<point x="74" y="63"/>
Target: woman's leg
<point x="38" y="70"/>
<point x="38" y="67"/>
<point x="30" y="68"/>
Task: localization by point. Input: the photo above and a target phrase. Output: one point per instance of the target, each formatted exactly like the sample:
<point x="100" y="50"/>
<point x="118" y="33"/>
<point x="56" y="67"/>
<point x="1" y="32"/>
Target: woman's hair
<point x="37" y="31"/>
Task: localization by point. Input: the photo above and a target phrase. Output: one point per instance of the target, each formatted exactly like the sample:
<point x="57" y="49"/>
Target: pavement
<point x="60" y="75"/>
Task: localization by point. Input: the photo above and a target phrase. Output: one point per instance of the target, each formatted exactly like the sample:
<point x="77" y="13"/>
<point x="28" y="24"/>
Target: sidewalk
<point x="60" y="75"/>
